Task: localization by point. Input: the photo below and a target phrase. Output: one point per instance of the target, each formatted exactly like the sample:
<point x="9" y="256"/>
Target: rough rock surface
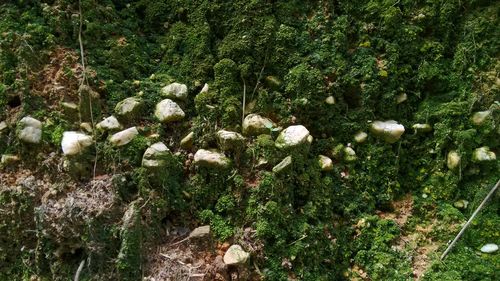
<point x="230" y="140"/>
<point x="168" y="111"/>
<point x="236" y="255"/>
<point x="74" y="143"/>
<point x="211" y="159"/>
<point x="30" y="130"/>
<point x="175" y="91"/>
<point x="109" y="124"/>
<point x="292" y="136"/>
<point x="254" y="125"/>
<point x="124" y="137"/>
<point x="390" y="131"/>
<point x="154" y="156"/>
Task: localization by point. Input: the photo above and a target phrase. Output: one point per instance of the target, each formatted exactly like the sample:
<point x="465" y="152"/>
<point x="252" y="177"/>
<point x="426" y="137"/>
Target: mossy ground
<point x="286" y="57"/>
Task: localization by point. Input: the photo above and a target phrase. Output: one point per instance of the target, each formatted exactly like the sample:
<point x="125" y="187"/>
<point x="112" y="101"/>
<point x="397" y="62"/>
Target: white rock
<point x="9" y="159"/>
<point x="204" y="89"/>
<point x="230" y="140"/>
<point x="330" y="100"/>
<point x="453" y="160"/>
<point x="479" y="117"/>
<point x="283" y="165"/>
<point x="74" y="143"/>
<point x="422" y="128"/>
<point x="483" y="154"/>
<point x="129" y="108"/>
<point x="390" y="131"/>
<point x="168" y="111"/>
<point x="349" y="154"/>
<point x="30" y="130"/>
<point x="211" y="159"/>
<point x="360" y="137"/>
<point x="292" y="136"/>
<point x="124" y="137"/>
<point x="154" y="156"/>
<point x="109" y="124"/>
<point x="86" y="126"/>
<point x="236" y="255"/>
<point x="187" y="141"/>
<point x="325" y="163"/>
<point x="200" y="232"/>
<point x="3" y="126"/>
<point x="175" y="91"/>
<point x="401" y="98"/>
<point x="254" y="125"/>
<point x="489" y="248"/>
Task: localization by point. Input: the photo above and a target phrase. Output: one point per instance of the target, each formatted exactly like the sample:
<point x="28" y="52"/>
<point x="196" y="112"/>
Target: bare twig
<point x="79" y="270"/>
<point x="492" y="191"/>
<point x="85" y="81"/>
<point x="244" y="101"/>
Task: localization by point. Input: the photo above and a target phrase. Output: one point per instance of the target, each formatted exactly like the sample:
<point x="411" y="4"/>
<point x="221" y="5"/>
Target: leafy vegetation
<point x="430" y="62"/>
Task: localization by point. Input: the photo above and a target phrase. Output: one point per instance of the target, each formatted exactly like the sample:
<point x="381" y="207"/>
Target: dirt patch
<point x="403" y="209"/>
<point x="59" y="78"/>
<point x="198" y="259"/>
<point x="417" y="242"/>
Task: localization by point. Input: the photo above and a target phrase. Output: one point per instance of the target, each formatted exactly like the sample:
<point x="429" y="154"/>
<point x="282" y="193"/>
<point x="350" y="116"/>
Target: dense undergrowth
<point x="431" y="62"/>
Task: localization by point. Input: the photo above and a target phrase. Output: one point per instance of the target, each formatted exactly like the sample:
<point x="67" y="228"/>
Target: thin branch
<point x="79" y="270"/>
<point x="492" y="191"/>
<point x="258" y="78"/>
<point x="85" y="81"/>
<point x="244" y="100"/>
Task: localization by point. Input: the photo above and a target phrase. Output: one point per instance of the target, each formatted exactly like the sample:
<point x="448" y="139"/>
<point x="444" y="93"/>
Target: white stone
<point x="230" y="140"/>
<point x="154" y="156"/>
<point x="200" y="232"/>
<point x="236" y="255"/>
<point x="168" y="111"/>
<point x="401" y="98"/>
<point x="109" y="124"/>
<point x="30" y="130"/>
<point x="204" y="89"/>
<point x="390" y="131"/>
<point x="86" y="126"/>
<point x="254" y="125"/>
<point x="129" y="107"/>
<point x="3" y="126"/>
<point x="292" y="136"/>
<point x="9" y="159"/>
<point x="330" y="100"/>
<point x="211" y="159"/>
<point x="284" y="164"/>
<point x="74" y="143"/>
<point x="453" y="160"/>
<point x="325" y="163"/>
<point x="124" y="137"/>
<point x="479" y="117"/>
<point x="360" y="137"/>
<point x="187" y="141"/>
<point x="489" y="248"/>
<point x="483" y="154"/>
<point x="422" y="128"/>
<point x="175" y="91"/>
<point x="349" y="154"/>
